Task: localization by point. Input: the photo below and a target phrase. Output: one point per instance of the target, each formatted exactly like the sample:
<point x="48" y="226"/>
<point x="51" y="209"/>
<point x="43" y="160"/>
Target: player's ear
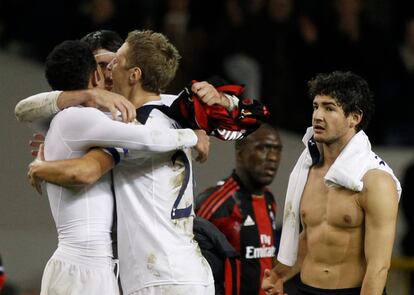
<point x="135" y="75"/>
<point x="356" y="118"/>
<point x="96" y="78"/>
<point x="238" y="152"/>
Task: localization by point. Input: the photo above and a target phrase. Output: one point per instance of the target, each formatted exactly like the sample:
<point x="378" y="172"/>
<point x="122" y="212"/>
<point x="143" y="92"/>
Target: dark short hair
<point x="349" y="90"/>
<point x="69" y="66"/>
<point x="103" y="39"/>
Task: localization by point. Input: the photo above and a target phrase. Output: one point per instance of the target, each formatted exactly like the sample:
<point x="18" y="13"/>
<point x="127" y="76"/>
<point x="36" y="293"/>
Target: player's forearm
<point x="378" y="251"/>
<point x="293" y="272"/>
<point x="374" y="280"/>
<point x="90" y="128"/>
<point x="37" y="107"/>
<point x="285" y="272"/>
<point x="137" y="137"/>
<point x="43" y="106"/>
<point x="68" y="172"/>
<point x="73" y="98"/>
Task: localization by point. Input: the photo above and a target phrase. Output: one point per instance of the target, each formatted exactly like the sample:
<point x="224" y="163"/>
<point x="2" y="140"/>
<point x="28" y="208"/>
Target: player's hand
<point x="35" y="142"/>
<point x="209" y="94"/>
<point x="35" y="181"/>
<point x="202" y="146"/>
<point x="113" y="102"/>
<point x="272" y="284"/>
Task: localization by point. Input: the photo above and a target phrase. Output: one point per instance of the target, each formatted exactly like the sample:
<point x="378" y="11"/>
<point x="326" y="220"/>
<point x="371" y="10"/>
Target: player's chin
<point x="266" y="179"/>
<point x="319" y="138"/>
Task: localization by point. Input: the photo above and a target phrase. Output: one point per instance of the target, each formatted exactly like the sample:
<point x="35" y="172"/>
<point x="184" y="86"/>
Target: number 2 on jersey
<point x="176" y="212"/>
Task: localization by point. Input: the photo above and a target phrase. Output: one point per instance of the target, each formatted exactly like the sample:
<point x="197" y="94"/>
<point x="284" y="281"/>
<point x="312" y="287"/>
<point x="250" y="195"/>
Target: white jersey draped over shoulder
<point x="154" y="199"/>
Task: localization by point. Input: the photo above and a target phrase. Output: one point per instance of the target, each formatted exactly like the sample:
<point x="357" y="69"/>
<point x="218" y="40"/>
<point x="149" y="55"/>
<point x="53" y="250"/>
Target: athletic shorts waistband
<point x="86" y="261"/>
<point x="308" y="290"/>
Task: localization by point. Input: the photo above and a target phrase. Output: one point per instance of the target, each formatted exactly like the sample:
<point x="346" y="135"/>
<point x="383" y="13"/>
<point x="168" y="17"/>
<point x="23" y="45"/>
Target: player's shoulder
<point x="376" y="180"/>
<point x="377" y="177"/>
<point x="221" y="191"/>
<point x="160" y="117"/>
<point x="201" y="197"/>
<point x="379" y="185"/>
<point x="77" y="117"/>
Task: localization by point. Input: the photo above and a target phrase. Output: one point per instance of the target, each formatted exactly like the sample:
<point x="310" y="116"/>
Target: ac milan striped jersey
<point x="248" y="222"/>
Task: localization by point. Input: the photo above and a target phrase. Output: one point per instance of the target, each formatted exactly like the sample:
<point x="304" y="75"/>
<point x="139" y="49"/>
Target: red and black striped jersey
<point x="248" y="222"/>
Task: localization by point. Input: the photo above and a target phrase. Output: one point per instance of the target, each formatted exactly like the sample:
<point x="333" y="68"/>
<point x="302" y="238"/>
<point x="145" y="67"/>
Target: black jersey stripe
<point x="223" y="199"/>
<point x="211" y="200"/>
<point x="264" y="226"/>
<point x="220" y="199"/>
<point x="232" y="276"/>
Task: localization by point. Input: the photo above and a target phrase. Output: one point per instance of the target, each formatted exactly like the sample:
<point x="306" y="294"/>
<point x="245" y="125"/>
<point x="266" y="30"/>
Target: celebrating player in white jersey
<point x="155" y="196"/>
<point x="83" y="216"/>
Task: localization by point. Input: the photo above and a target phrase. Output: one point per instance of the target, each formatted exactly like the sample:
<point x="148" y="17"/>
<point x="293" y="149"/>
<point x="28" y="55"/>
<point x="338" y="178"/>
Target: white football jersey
<point x="83" y="215"/>
<point x="154" y="199"/>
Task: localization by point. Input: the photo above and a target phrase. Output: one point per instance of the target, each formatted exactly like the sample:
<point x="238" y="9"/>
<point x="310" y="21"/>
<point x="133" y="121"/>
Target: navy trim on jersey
<point x="114" y="154"/>
<point x="176" y="212"/>
<point x="144" y="112"/>
<point x="114" y="229"/>
<point x="314" y="151"/>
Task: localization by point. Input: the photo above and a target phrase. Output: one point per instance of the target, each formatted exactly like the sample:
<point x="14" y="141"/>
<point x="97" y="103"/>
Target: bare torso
<point x="333" y="221"/>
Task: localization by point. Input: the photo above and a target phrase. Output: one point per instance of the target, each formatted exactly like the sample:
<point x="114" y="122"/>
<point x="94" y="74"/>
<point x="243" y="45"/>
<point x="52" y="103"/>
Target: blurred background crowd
<point x="272" y="46"/>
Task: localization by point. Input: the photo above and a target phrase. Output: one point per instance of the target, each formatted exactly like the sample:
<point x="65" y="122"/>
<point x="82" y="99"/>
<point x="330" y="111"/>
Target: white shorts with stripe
<point x="66" y="274"/>
<point x="177" y="290"/>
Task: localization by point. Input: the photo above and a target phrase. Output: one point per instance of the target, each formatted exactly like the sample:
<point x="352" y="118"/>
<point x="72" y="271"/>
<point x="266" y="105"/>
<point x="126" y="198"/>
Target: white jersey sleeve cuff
<point x="233" y="101"/>
<point x="187" y="138"/>
<point x="37" y="107"/>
